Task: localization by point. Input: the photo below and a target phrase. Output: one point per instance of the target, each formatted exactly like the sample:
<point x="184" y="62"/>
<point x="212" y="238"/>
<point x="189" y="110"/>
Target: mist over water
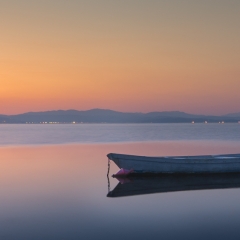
<point x="51" y="190"/>
<point x="37" y="134"/>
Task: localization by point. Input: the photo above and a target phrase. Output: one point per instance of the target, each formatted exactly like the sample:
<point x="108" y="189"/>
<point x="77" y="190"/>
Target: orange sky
<point x="124" y="55"/>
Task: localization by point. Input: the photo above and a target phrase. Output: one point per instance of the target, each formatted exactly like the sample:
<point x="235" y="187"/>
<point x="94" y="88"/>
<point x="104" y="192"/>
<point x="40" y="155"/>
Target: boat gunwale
<point x="202" y="159"/>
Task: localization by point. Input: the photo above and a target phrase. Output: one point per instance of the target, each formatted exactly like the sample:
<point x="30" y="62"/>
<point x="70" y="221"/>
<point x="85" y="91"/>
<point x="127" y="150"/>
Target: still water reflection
<point x="59" y="192"/>
<point x="162" y="183"/>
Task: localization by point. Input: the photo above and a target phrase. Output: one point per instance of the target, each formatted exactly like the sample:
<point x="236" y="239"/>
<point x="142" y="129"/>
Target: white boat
<point x="178" y="164"/>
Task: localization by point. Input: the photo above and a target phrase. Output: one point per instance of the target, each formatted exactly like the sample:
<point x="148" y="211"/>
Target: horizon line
<point x="105" y="109"/>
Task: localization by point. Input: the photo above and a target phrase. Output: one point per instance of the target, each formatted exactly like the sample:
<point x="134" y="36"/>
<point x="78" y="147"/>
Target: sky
<point x="128" y="55"/>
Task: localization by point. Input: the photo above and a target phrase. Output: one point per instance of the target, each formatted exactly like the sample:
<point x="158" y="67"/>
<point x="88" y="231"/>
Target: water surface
<point x="52" y="191"/>
<point x="35" y="134"/>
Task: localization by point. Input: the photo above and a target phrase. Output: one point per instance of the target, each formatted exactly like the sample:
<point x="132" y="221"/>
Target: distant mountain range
<point x="109" y="116"/>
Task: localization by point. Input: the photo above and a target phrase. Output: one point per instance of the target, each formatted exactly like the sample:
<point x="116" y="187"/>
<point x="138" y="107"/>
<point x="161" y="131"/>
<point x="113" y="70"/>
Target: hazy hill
<point x="235" y="115"/>
<point x="109" y="116"/>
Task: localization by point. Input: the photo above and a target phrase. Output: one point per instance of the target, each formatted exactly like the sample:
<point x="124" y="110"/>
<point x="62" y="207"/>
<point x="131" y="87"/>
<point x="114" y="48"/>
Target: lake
<point x="39" y="134"/>
<point x="53" y="183"/>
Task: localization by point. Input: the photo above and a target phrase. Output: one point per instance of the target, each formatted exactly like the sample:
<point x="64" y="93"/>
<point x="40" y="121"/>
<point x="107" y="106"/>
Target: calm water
<point x="52" y="191"/>
<point x="108" y="133"/>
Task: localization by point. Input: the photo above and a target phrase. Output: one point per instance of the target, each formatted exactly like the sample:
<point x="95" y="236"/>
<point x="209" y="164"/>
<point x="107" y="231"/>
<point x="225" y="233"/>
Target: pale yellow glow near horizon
<point x="138" y="56"/>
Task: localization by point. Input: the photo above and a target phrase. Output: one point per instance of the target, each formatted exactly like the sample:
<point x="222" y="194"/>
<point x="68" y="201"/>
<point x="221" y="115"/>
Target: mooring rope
<point x="108" y="175"/>
<point x="108" y="166"/>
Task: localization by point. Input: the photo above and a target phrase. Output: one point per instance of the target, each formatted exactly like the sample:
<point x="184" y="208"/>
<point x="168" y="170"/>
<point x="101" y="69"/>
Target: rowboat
<point x="141" y="184"/>
<point x="227" y="163"/>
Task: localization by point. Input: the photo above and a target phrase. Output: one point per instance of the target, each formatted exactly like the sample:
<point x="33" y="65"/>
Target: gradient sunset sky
<point x="124" y="55"/>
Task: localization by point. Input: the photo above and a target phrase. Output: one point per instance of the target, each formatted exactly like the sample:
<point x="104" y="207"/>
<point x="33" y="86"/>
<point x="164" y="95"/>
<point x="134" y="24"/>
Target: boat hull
<point x="180" y="164"/>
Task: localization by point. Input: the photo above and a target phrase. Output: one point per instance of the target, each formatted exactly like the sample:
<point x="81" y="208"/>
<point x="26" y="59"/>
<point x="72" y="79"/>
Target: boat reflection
<point x="138" y="184"/>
